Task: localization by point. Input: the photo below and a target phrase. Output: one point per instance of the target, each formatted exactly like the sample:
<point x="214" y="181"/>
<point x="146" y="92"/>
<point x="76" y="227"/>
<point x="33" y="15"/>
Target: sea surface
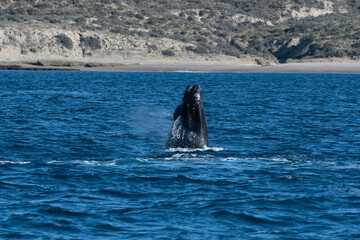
<point x="82" y="156"/>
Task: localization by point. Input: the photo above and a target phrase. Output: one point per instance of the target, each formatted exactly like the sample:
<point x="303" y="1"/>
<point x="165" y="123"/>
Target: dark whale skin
<point x="189" y="129"/>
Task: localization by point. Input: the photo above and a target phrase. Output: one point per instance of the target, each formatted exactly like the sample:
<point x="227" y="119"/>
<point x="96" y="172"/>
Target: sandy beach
<point x="183" y="66"/>
<point x="231" y="67"/>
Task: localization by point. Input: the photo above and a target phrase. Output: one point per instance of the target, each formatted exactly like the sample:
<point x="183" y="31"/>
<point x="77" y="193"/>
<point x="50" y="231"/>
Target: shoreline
<point x="184" y="66"/>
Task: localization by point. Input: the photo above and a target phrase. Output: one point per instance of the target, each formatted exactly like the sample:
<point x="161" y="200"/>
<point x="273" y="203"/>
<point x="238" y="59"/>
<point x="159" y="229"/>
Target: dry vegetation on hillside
<point x="273" y="30"/>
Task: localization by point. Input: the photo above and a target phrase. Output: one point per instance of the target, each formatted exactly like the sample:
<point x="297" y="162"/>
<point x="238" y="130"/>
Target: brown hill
<point x="264" y="31"/>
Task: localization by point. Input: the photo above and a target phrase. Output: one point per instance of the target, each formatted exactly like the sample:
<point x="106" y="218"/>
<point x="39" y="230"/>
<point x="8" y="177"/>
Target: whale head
<point x="190" y="121"/>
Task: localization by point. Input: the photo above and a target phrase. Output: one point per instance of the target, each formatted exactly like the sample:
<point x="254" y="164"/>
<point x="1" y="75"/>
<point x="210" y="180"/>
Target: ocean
<point x="82" y="156"/>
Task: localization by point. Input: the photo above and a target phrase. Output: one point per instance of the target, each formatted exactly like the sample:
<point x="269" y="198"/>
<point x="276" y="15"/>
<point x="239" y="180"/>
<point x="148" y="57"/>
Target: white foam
<point x="100" y="163"/>
<point x="289" y="177"/>
<point x="86" y="162"/>
<point x="187" y="156"/>
<point x="274" y="159"/>
<point x="56" y="162"/>
<point x="190" y="157"/>
<point x="233" y="159"/>
<point x="13" y="162"/>
<point x="215" y="149"/>
<point x="53" y="162"/>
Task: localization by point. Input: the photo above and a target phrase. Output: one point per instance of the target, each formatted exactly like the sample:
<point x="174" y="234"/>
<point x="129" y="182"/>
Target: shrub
<point x="356" y="45"/>
<point x="80" y="20"/>
<point x="139" y="16"/>
<point x="52" y="19"/>
<point x="14" y="18"/>
<point x="151" y="21"/>
<point x="90" y="42"/>
<point x="153" y="47"/>
<point x="189" y="48"/>
<point x="201" y="39"/>
<point x="120" y="30"/>
<point x="20" y="11"/>
<point x="42" y="6"/>
<point x="191" y="18"/>
<point x="201" y="13"/>
<point x="201" y="50"/>
<point x="232" y="52"/>
<point x="168" y="53"/>
<point x="33" y="11"/>
<point x="65" y="41"/>
<point x="157" y="33"/>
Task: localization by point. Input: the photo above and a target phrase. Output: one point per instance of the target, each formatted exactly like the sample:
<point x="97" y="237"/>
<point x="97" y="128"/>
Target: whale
<point x="189" y="129"/>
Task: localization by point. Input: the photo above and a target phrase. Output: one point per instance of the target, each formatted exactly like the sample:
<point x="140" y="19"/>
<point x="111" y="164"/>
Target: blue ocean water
<point x="82" y="156"/>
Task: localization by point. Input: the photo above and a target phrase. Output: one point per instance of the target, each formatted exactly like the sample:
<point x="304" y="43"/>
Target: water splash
<point x="210" y="149"/>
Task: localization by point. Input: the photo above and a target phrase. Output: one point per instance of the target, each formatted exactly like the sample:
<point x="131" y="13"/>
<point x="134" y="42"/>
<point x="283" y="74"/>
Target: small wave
<point x="272" y="159"/>
<point x="293" y="178"/>
<point x="13" y="163"/>
<point x="184" y="154"/>
<point x="86" y="162"/>
<point x="185" y="157"/>
<point x="55" y="162"/>
<point x="93" y="162"/>
<point x="252" y="218"/>
<point x="347" y="167"/>
<point x="101" y="163"/>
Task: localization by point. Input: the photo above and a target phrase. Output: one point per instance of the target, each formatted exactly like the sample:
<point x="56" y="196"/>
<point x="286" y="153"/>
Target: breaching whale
<point x="189" y="129"/>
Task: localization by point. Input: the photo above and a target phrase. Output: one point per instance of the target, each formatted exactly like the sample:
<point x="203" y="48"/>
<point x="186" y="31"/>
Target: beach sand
<point x="231" y="67"/>
<point x="187" y="66"/>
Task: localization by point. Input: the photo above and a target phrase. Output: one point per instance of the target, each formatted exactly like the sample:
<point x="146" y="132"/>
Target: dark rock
<point x="54" y="63"/>
<point x="38" y="63"/>
<point x="262" y="62"/>
<point x="283" y="50"/>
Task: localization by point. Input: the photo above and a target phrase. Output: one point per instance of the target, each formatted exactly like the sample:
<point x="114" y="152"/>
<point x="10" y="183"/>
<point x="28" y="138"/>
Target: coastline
<point x="184" y="66"/>
<point x="334" y="67"/>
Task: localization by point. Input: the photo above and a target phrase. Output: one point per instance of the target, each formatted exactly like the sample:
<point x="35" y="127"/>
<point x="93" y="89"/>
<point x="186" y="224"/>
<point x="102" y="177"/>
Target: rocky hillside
<point x="266" y="31"/>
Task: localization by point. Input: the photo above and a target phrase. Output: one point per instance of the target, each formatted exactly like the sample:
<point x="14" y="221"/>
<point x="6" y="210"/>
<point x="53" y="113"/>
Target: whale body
<point x="189" y="129"/>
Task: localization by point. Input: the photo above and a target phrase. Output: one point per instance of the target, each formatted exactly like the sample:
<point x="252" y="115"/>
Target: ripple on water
<point x="82" y="157"/>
